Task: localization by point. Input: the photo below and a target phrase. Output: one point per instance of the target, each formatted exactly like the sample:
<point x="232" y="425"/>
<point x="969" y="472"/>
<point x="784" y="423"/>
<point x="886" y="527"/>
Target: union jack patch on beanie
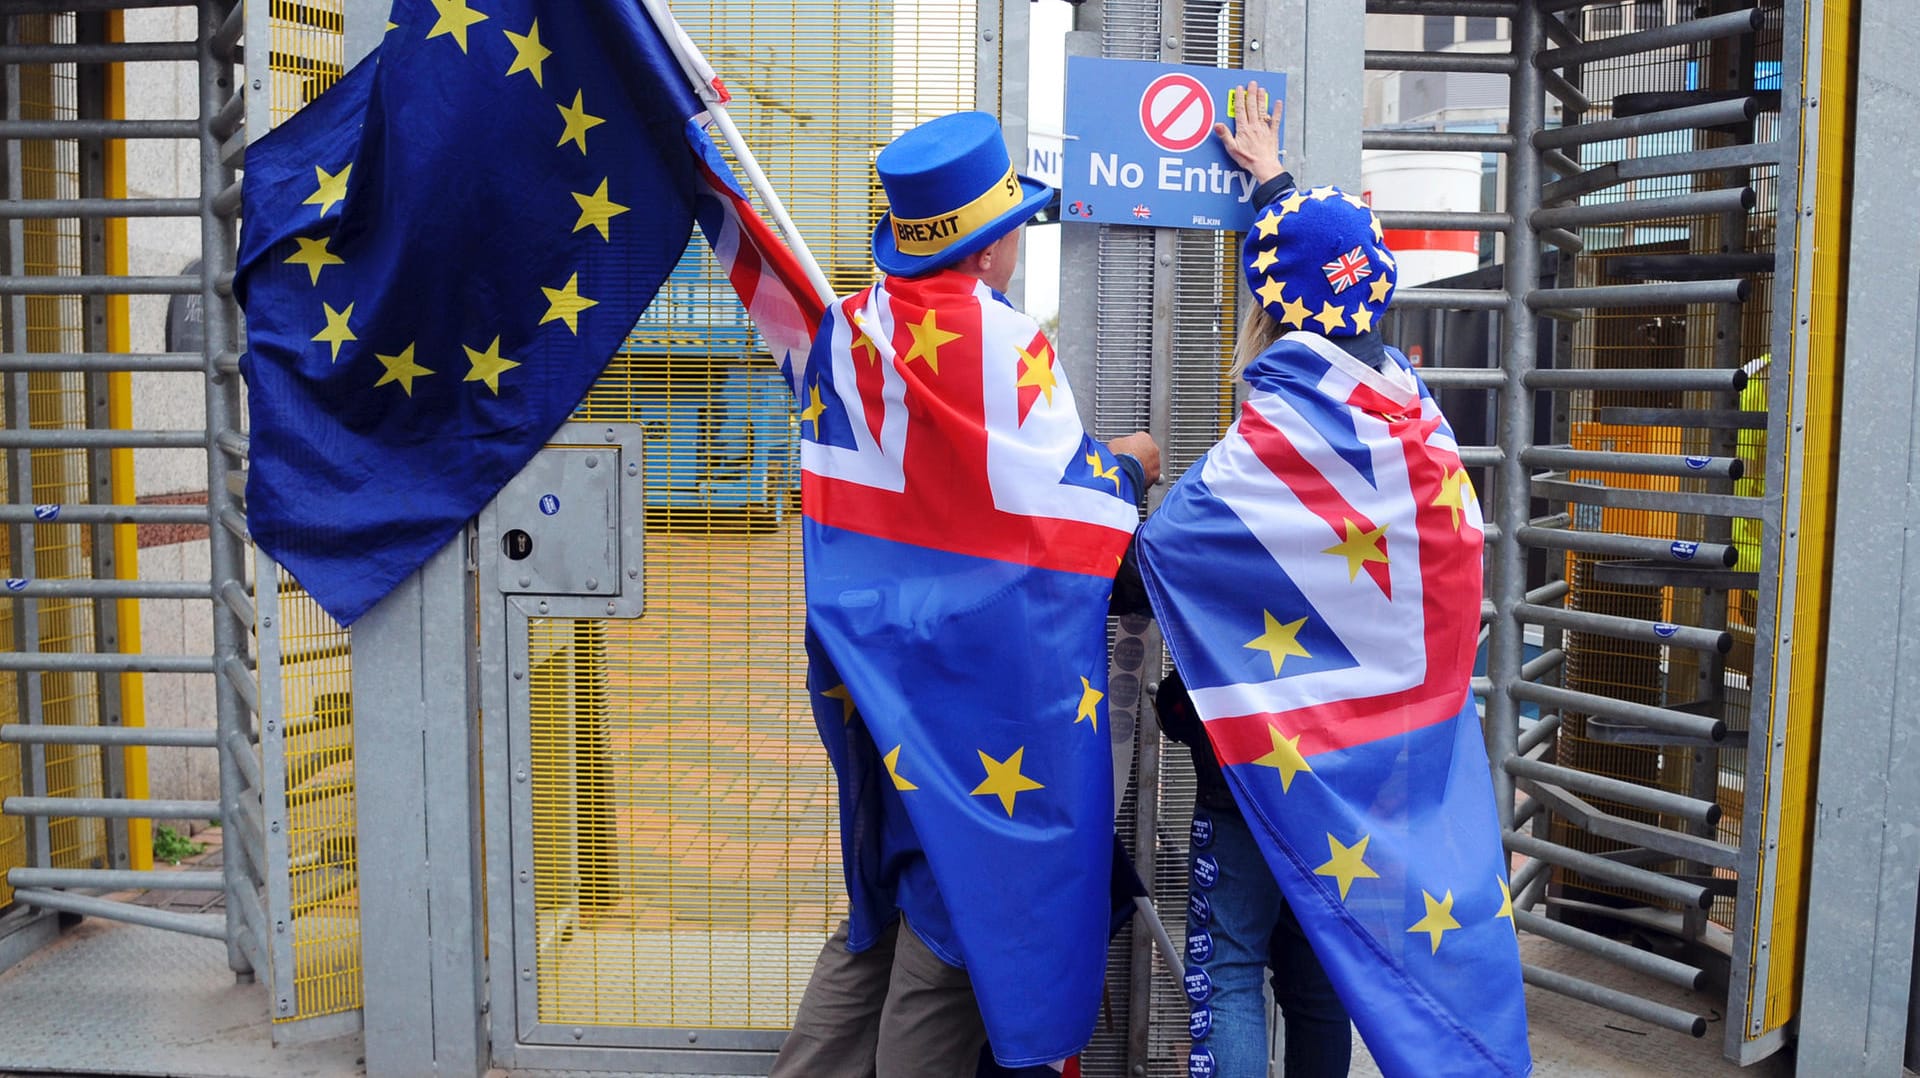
<point x="1317" y="259"/>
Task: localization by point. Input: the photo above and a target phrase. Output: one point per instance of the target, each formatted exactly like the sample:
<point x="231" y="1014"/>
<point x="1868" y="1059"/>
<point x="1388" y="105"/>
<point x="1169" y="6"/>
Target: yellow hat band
<point x="931" y="235"/>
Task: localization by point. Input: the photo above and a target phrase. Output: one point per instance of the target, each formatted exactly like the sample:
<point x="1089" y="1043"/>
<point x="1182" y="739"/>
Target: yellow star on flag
<point x="1388" y="259"/>
<point x="1285" y="758"/>
<point x="1090" y="698"/>
<point x="333" y="188"/>
<point x="488" y="366"/>
<point x="401" y="369"/>
<point x="1292" y="203"/>
<point x="1347" y="864"/>
<point x="928" y="339"/>
<point x="455" y="17"/>
<point x="1379" y="235"/>
<point x="1264" y="259"/>
<point x="1381" y="285"/>
<point x="840" y="693"/>
<point x="596" y="210"/>
<point x="1294" y="313"/>
<point x="314" y="255"/>
<point x="1321" y="194"/>
<point x="893" y="772"/>
<point x="811" y="414"/>
<point x="1279" y="641"/>
<point x="1438" y="920"/>
<point x="862" y="344"/>
<point x="1453" y="495"/>
<point x="1330" y="317"/>
<point x="1268" y="225"/>
<point x="1506" y="902"/>
<point x="578" y="121"/>
<point x="529" y="54"/>
<point x="1360" y="547"/>
<point x="336" y="333"/>
<point x="1037" y="370"/>
<point x="1357" y="202"/>
<point x="1362" y="319"/>
<point x="1271" y="293"/>
<point x="566" y="303"/>
<point x="1102" y="470"/>
<point x="1004" y="779"/>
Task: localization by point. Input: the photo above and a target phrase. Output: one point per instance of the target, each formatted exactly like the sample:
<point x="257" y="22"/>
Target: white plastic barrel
<point x="1425" y="180"/>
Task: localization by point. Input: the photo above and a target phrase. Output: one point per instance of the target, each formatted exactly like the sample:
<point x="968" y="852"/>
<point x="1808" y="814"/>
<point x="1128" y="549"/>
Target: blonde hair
<point x="1258" y="332"/>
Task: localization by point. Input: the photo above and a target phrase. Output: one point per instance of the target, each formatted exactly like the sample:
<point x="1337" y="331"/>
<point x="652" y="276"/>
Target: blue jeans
<point x="1238" y="928"/>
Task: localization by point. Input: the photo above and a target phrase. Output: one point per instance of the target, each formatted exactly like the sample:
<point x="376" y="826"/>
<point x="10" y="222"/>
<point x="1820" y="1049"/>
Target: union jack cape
<point x="961" y="532"/>
<point x="1317" y="579"/>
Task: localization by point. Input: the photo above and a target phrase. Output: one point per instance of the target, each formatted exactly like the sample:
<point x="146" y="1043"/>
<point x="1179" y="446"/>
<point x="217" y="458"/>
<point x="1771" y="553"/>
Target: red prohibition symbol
<point x="1176" y="112"/>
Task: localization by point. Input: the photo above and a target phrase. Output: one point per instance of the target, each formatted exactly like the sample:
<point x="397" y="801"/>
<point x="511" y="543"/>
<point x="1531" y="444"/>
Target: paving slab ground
<point x="109" y="999"/>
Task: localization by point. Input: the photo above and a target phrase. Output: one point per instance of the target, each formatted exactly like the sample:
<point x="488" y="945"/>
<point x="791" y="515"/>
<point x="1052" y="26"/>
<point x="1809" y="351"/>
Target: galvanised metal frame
<point x="1535" y="213"/>
<point x="1857" y="977"/>
<point x="40" y="885"/>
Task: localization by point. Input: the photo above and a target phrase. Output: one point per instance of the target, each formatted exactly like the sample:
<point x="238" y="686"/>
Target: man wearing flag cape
<point x="1317" y="580"/>
<point x="961" y="532"/>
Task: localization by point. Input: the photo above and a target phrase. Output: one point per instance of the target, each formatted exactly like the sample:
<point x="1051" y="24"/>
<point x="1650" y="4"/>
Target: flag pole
<point x="706" y="83"/>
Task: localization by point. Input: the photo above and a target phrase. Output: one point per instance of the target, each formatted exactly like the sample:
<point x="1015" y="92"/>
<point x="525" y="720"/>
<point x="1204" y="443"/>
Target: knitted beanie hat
<point x="1317" y="259"/>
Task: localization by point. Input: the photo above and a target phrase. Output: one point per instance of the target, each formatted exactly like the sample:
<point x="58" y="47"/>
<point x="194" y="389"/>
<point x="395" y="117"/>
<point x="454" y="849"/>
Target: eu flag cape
<point x="961" y="532"/>
<point x="1317" y="580"/>
<point x="440" y="254"/>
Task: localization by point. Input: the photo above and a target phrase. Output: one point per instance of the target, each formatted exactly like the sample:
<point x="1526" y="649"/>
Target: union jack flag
<point x="1347" y="270"/>
<point x="961" y="532"/>
<point x="1143" y="211"/>
<point x="764" y="273"/>
<point x="1317" y="579"/>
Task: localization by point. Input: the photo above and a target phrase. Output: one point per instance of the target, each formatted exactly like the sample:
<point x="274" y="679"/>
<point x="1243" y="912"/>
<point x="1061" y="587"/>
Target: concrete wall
<point x="162" y="246"/>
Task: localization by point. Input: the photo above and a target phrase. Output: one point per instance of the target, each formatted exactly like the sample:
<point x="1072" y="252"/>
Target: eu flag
<point x="439" y="255"/>
<point x="961" y="532"/>
<point x="1317" y="579"/>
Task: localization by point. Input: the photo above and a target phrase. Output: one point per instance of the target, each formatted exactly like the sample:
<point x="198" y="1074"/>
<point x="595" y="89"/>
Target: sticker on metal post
<point x="1684" y="549"/>
<point x="1157" y="163"/>
<point x="46" y="512"/>
<point x="549" y="504"/>
<point x="15" y="583"/>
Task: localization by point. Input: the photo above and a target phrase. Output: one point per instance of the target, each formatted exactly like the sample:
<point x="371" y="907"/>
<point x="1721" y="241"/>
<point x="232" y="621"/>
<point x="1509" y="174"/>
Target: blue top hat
<point x="1318" y="260"/>
<point x="950" y="191"/>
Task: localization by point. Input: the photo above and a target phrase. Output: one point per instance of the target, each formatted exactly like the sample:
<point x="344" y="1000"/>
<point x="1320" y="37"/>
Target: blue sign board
<point x="1140" y="147"/>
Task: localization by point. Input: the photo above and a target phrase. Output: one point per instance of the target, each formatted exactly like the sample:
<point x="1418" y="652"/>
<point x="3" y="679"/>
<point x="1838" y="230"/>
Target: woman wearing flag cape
<point x="1317" y="579"/>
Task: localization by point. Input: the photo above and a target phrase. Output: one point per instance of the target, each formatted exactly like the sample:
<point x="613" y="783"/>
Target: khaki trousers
<point x="894" y="1010"/>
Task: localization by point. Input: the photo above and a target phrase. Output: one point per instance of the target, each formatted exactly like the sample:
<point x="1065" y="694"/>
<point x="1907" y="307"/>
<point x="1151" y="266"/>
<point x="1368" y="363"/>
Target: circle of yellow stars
<point x="456" y="21"/>
<point x="1294" y="313"/>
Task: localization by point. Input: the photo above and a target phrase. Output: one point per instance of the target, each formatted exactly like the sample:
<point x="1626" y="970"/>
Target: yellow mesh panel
<point x="1669" y="336"/>
<point x="315" y="685"/>
<point x="316" y="669"/>
<point x="57" y="400"/>
<point x="686" y="861"/>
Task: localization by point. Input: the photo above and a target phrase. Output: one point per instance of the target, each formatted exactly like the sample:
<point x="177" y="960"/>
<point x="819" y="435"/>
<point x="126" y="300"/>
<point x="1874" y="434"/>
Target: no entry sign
<point x="1176" y="112"/>
<point x="1140" y="148"/>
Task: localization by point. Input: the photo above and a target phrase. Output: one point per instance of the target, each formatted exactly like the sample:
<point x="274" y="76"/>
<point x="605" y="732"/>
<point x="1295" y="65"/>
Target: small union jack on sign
<point x="1347" y="270"/>
<point x="1142" y="211"/>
